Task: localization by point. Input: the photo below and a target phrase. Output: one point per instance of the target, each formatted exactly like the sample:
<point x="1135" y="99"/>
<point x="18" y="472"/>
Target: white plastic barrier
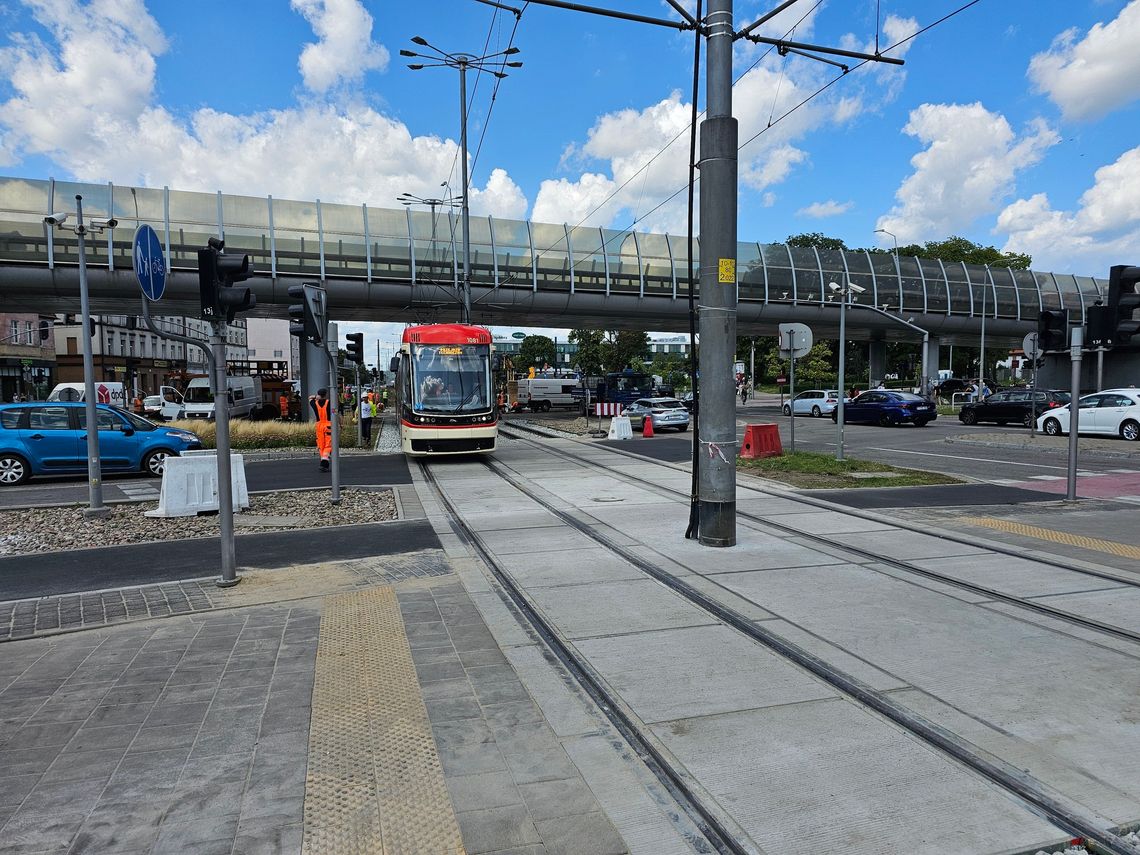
<point x="620" y="428"/>
<point x="190" y="484"/>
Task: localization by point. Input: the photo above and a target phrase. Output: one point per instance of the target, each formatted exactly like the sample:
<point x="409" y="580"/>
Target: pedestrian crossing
<point x="139" y="491"/>
<point x="1120" y="485"/>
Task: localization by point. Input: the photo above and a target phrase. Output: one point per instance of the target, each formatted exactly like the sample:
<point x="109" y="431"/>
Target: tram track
<point x="1032" y="792"/>
<point x="909" y="567"/>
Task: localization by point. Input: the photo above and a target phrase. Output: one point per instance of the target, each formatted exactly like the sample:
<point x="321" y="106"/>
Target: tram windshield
<point x="450" y="378"/>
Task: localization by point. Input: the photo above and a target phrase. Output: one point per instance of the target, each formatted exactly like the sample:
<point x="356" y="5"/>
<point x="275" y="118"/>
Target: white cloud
<point x="830" y="208"/>
<point x="87" y="101"/>
<point x="1104" y="230"/>
<point x="345" y="50"/>
<point x="1088" y="78"/>
<point x="966" y="169"/>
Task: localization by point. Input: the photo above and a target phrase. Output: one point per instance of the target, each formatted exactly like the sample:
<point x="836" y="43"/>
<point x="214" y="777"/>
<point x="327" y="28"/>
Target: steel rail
<point x="719" y="838"/>
<point x="1018" y="783"/>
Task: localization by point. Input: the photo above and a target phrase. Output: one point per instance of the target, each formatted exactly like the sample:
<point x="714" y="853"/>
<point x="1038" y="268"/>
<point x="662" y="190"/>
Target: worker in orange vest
<point x="323" y="408"/>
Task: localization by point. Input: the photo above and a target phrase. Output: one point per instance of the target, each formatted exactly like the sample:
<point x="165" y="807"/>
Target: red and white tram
<point x="443" y="390"/>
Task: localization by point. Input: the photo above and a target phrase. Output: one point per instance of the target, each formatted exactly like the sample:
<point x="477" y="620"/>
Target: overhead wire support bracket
<point x="784" y="50"/>
<point x="783" y="45"/>
<point x="688" y="24"/>
<point x="516" y="12"/>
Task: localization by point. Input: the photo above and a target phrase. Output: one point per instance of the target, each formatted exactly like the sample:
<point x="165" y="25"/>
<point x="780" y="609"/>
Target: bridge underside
<point x="39" y="289"/>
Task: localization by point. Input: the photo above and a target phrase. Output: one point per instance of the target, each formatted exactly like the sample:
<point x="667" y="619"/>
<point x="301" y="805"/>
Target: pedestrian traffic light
<point x="1123" y="301"/>
<point x="218" y="272"/>
<point x="355" y="347"/>
<point x="307" y="318"/>
<point x="45" y="330"/>
<point x="1052" y="329"/>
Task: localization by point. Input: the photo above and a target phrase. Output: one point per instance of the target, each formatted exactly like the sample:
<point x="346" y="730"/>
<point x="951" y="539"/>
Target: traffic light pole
<point x="359" y="410"/>
<point x="1074" y="410"/>
<point x="334" y="407"/>
<point x="229" y="576"/>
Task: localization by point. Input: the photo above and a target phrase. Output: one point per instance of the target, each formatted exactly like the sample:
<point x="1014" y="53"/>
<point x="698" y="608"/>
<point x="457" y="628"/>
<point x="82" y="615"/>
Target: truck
<point x="244" y="397"/>
<point x="114" y="394"/>
<point x="539" y="394"/>
<point x="617" y="387"/>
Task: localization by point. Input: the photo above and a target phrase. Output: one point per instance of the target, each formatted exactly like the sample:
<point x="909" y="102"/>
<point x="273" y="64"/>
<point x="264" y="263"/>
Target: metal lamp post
<point x="95" y="506"/>
<point x="463" y="61"/>
<point x="845" y="294"/>
<point x="925" y="333"/>
<point x="410" y="199"/>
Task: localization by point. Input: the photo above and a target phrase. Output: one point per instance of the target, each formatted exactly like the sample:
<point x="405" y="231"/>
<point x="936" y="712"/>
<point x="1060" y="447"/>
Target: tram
<point x="443" y="390"/>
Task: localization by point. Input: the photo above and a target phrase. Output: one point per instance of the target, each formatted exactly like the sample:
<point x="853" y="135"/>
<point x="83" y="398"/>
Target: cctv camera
<point x="104" y="224"/>
<point x="856" y="288"/>
<point x="834" y="287"/>
<point x="55" y="219"/>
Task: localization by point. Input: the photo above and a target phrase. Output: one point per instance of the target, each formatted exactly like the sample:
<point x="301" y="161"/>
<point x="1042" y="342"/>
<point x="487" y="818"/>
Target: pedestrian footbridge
<point x="395" y="264"/>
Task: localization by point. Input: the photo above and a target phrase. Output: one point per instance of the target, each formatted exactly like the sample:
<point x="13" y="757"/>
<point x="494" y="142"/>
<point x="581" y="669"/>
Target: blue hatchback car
<point x="39" y="438"/>
<point x="887" y="407"/>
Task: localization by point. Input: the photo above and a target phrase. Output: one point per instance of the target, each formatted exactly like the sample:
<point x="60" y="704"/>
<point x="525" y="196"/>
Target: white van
<point x="114" y="394"/>
<point x="244" y="397"/>
<point x="539" y="394"/>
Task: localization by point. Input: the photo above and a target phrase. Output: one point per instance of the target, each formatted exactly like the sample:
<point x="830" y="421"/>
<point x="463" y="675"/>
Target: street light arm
<point x="895" y="318"/>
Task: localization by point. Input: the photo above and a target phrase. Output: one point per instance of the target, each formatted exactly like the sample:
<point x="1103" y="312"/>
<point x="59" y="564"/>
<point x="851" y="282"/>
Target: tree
<point x="818" y="239"/>
<point x="534" y="351"/>
<point x="957" y="249"/>
<point x="626" y="348"/>
<point x="672" y="368"/>
<point x="591" y="356"/>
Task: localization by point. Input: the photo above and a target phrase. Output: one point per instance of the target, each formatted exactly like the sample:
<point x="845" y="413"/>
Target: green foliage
<point x="673" y="368"/>
<point x="811" y="469"/>
<point x="958" y="249"/>
<point x="591" y="356"/>
<point x="626" y="349"/>
<point x="536" y="350"/>
<point x="809" y="239"/>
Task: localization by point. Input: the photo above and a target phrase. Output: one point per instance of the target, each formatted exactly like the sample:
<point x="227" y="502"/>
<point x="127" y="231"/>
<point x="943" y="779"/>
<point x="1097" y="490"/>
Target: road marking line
<point x="1122" y="550"/>
<point x="975" y="459"/>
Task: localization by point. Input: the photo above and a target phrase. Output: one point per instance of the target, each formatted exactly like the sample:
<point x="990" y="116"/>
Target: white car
<point x="815" y="402"/>
<point x="1113" y="412"/>
<point x="665" y="413"/>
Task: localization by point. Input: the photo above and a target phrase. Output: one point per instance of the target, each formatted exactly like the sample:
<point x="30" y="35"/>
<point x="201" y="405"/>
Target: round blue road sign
<point x="150" y="264"/>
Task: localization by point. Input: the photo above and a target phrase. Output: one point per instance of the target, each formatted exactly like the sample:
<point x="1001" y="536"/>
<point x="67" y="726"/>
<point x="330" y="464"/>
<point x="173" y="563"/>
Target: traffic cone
<point x="647" y="426"/>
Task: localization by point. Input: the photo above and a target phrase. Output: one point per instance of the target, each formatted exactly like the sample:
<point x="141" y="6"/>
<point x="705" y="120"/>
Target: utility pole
<point x="716" y="488"/>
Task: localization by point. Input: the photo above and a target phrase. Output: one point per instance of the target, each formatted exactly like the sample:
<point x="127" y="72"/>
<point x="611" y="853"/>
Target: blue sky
<point x="1012" y="123"/>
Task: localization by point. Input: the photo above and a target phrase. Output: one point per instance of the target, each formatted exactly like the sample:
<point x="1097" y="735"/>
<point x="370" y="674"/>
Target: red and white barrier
<point x="607" y="409"/>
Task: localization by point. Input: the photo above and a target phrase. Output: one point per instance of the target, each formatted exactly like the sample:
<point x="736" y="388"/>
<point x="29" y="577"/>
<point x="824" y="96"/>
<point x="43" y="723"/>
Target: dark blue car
<point x="887" y="407"/>
<point x="49" y="439"/>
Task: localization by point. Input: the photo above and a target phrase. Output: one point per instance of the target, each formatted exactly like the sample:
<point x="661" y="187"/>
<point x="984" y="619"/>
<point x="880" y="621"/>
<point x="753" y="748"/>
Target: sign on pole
<point x="150" y="264"/>
<point x="795" y="341"/>
<point x="1029" y="345"/>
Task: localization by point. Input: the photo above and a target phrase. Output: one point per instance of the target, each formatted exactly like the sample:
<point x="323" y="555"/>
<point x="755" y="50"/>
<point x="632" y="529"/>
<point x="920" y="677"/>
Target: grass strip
<point x="813" y="470"/>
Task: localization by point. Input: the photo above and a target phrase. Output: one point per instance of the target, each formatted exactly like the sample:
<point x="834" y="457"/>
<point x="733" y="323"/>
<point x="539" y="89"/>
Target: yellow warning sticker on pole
<point x="727" y="271"/>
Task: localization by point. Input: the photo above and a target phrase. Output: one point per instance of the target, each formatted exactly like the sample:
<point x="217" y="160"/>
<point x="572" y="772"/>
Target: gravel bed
<point x="49" y="529"/>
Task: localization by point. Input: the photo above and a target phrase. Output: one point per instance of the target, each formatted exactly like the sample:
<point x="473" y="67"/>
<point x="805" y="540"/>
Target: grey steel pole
<point x="359" y="410"/>
<point x="842" y="369"/>
<point x="982" y="352"/>
<point x="1033" y="399"/>
<point x="95" y="506"/>
<point x="752" y="365"/>
<point x="1100" y="368"/>
<point x="334" y="413"/>
<point x="229" y="576"/>
<point x="1078" y="337"/>
<point x="792" y="394"/>
<point x="716" y="488"/>
<point x="925" y="384"/>
<point x="466" y="193"/>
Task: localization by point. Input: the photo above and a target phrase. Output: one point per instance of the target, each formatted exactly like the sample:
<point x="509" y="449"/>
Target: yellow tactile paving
<point x="374" y="784"/>
<point x="1123" y="550"/>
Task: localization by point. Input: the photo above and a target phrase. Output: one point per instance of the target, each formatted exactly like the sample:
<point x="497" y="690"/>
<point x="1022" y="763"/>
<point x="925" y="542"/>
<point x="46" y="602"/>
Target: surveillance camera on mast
<point x="57" y="219"/>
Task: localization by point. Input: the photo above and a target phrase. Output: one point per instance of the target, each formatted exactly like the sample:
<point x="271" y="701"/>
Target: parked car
<point x="887" y="407"/>
<point x="1014" y="405"/>
<point x="1113" y="412"/>
<point x="48" y="438"/>
<point x="665" y="413"/>
<point x="815" y="402"/>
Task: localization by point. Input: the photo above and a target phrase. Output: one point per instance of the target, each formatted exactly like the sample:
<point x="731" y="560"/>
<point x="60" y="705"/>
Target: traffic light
<point x="45" y="330"/>
<point x="218" y="272"/>
<point x="307" y="318"/>
<point x="1123" y="301"/>
<point x="380" y="376"/>
<point x="1053" y="329"/>
<point x="355" y="347"/>
<point x="1101" y="322"/>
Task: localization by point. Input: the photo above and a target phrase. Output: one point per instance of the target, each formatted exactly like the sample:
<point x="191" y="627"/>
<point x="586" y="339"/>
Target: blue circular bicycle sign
<point x="150" y="263"/>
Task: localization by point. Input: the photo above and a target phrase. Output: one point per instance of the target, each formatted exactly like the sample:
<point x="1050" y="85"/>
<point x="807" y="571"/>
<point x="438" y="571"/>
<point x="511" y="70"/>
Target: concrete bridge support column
<point x="877" y="360"/>
<point x="314" y="375"/>
<point x="930" y="364"/>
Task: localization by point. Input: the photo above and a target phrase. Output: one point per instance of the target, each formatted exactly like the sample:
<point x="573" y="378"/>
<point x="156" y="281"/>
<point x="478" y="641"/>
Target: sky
<point x="1012" y="122"/>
